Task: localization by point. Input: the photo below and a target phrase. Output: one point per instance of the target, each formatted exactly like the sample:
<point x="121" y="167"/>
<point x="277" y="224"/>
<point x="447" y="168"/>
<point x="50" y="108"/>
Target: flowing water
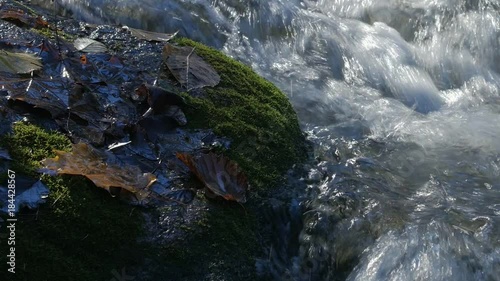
<point x="401" y="99"/>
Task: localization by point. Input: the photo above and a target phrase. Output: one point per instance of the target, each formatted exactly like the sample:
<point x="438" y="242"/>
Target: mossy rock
<point x="253" y="113"/>
<point x="82" y="233"/>
<point x="266" y="141"/>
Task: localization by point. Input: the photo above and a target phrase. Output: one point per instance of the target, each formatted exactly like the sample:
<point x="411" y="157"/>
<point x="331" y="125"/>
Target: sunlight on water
<point x="402" y="102"/>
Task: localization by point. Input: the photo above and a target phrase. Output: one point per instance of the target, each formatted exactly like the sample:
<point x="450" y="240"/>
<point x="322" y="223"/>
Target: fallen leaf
<point x="219" y="174"/>
<point x="149" y="35"/>
<point x="29" y="197"/>
<point x="47" y="94"/>
<point x="41" y="23"/>
<point x="49" y="52"/>
<point x="188" y="68"/>
<point x="19" y="63"/>
<point x="87" y="161"/>
<point x="88" y="45"/>
<point x="158" y="98"/>
<point x="17" y="17"/>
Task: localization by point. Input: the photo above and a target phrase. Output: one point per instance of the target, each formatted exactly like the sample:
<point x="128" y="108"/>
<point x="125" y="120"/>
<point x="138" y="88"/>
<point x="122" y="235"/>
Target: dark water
<point x="402" y="102"/>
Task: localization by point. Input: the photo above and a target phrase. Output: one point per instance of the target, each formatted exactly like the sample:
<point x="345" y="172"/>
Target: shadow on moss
<point x="81" y="233"/>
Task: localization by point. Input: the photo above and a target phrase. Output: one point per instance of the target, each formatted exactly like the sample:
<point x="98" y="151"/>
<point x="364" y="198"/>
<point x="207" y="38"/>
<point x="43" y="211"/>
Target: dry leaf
<point x="87" y="161"/>
<point x="188" y="68"/>
<point x="219" y="174"/>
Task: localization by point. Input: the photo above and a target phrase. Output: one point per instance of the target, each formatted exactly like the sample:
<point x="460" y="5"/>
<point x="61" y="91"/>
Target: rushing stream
<point x="401" y="99"/>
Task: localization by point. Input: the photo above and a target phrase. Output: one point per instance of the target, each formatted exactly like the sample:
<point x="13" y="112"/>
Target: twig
<point x="187" y="68"/>
<point x="58" y="197"/>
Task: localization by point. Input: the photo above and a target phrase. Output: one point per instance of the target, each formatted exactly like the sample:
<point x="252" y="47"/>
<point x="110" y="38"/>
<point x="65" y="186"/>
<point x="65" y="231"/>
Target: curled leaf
<point x="87" y="161"/>
<point x="220" y="175"/>
<point x="19" y="63"/>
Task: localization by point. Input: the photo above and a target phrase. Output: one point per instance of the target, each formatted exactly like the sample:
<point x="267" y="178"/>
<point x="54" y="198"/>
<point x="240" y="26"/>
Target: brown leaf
<point x="41" y="23"/>
<point x="219" y="174"/>
<point x="17" y="17"/>
<point x="159" y="99"/>
<point x="87" y="161"/>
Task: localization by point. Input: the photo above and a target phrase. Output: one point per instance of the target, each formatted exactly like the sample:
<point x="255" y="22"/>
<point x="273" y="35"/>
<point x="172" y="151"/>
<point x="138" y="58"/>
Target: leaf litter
<point x="100" y="98"/>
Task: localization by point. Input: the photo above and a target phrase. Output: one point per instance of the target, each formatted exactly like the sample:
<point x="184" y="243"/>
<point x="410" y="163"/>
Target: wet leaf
<point x="41" y="23"/>
<point x="29" y="197"/>
<point x="18" y="17"/>
<point x="188" y="68"/>
<point x="47" y="94"/>
<point x="219" y="174"/>
<point x="149" y="35"/>
<point x="158" y="98"/>
<point x="49" y="52"/>
<point x="20" y="63"/>
<point x="88" y="45"/>
<point x="97" y="166"/>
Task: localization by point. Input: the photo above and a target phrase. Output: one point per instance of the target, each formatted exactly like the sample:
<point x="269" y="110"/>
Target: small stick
<point x="187" y="69"/>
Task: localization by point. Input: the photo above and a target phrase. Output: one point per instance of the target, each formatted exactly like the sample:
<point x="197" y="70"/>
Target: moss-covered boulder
<point x="82" y="233"/>
<point x="253" y="113"/>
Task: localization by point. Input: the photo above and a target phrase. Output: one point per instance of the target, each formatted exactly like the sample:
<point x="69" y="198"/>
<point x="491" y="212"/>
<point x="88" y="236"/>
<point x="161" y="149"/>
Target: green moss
<point x="222" y="245"/>
<point x="253" y="113"/>
<point x="81" y="233"/>
<point x="49" y="33"/>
